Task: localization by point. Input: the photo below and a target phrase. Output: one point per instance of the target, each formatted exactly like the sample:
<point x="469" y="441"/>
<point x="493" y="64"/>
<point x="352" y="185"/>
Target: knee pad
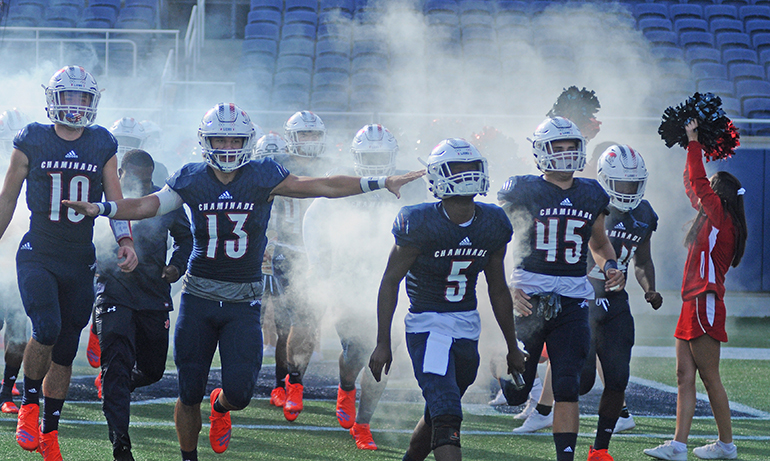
<point x="65" y="349"/>
<point x="566" y="389"/>
<point x="446" y="431"/>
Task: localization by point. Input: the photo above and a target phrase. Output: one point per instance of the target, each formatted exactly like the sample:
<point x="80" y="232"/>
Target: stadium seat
<point x="725" y="25"/>
<point x="742" y="71"/>
<point x="61" y="16"/>
<point x="764" y="57"/>
<point x="339" y="32"/>
<point x="151" y="4"/>
<point x="135" y="17"/>
<point x="447" y="18"/>
<point x="690" y="25"/>
<point x="24" y="15"/>
<point x="302" y="30"/>
<point x="333" y="62"/>
<point x="333" y="5"/>
<point x="752" y="89"/>
<point x="265" y="15"/>
<point x="369" y="48"/>
<point x="261" y="46"/>
<point x="711" y="12"/>
<point x="708" y="70"/>
<point x="737" y="3"/>
<point x="306" y="5"/>
<point x="331" y="79"/>
<point x="754" y="26"/>
<point x="297" y="45"/>
<point x="651" y="10"/>
<point x="661" y="37"/>
<point x="668" y="53"/>
<point x="336" y="47"/>
<point x="736" y="55"/>
<point x="79" y="4"/>
<point x="275" y="5"/>
<point x="718" y="86"/>
<point x="757" y="108"/>
<point x="292" y="77"/>
<point x="761" y="41"/>
<point x="512" y="6"/>
<point x="648" y="24"/>
<point x="301" y="16"/>
<point x="511" y="20"/>
<point x="478" y="33"/>
<point x="727" y="40"/>
<point x="476" y="19"/>
<point x="114" y="4"/>
<point x="685" y="10"/>
<point x="732" y="106"/>
<point x="104" y="16"/>
<point x="702" y="54"/>
<point x="264" y="30"/>
<point x="329" y="100"/>
<point x="289" y="97"/>
<point x="433" y="6"/>
<point x="749" y="12"/>
<point x="294" y="62"/>
<point x="479" y="6"/>
<point x="693" y="39"/>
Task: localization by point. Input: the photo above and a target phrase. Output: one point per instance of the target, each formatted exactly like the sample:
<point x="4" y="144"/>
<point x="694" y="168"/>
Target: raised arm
<point x="502" y="307"/>
<point x="14" y="179"/>
<point x="400" y="260"/>
<point x="338" y="186"/>
<point x="602" y="251"/>
<point x="699" y="184"/>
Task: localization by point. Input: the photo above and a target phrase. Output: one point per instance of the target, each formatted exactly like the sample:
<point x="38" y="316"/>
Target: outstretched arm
<point x="400" y="260"/>
<point x="336" y="186"/>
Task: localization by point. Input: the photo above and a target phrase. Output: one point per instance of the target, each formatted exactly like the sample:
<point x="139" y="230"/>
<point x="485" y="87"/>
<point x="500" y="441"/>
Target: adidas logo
<point x="620" y="226"/>
<point x="71" y="154"/>
<point x="57" y="413"/>
<point x="225" y="196"/>
<point x="32" y="390"/>
<point x="466" y="241"/>
<point x="26" y="246"/>
<point x="568" y="450"/>
<point x="566" y="202"/>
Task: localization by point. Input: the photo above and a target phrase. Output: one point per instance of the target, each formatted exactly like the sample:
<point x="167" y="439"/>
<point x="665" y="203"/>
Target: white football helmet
<point x="444" y="183"/>
<point x="558" y="129"/>
<point x="374" y="150"/>
<point x="622" y="174"/>
<point x="129" y="133"/>
<point x="11" y="122"/>
<point x="270" y="145"/>
<point x="71" y="97"/>
<point x="154" y="132"/>
<point x="305" y="134"/>
<point x="226" y="121"/>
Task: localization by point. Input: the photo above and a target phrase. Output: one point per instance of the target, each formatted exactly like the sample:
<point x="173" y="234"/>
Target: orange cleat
<point x="293" y="405"/>
<point x="49" y="446"/>
<point x="221" y="426"/>
<point x="346" y="408"/>
<point x="363" y="437"/>
<point x="98" y="384"/>
<point x="278" y="396"/>
<point x="9" y="407"/>
<point x="15" y="392"/>
<point x="28" y="427"/>
<point x="598" y="455"/>
<point x="94" y="350"/>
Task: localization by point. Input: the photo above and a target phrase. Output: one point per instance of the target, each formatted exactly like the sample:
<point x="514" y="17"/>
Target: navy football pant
<point x="134" y="347"/>
<point x="567" y="337"/>
<point x="612" y="337"/>
<point x="201" y="326"/>
<point x="57" y="296"/>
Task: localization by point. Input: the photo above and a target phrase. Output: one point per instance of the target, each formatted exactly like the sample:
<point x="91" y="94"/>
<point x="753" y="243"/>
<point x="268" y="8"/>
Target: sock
<point x="280" y="375"/>
<point x="9" y="379"/>
<point x="348" y="388"/>
<point x="51" y="414"/>
<point x="190" y="455"/>
<point x="218" y="407"/>
<point x="32" y="391"/>
<point x="544" y="410"/>
<point x="678" y="446"/>
<point x="726" y="446"/>
<point x="565" y="445"/>
<point x="624" y="412"/>
<point x="295" y="378"/>
<point x="406" y="457"/>
<point x="604" y="430"/>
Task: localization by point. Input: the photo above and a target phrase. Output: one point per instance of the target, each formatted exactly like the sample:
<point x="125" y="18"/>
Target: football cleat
<point x="346" y="408"/>
<point x="528" y="409"/>
<point x="535" y="422"/>
<point x="49" y="446"/>
<point x="293" y="405"/>
<point x="363" y="436"/>
<point x="715" y="451"/>
<point x="666" y="451"/>
<point x="9" y="407"/>
<point x="15" y="392"/>
<point x="599" y="455"/>
<point x="94" y="350"/>
<point x="221" y="426"/>
<point x="278" y="396"/>
<point x="28" y="427"/>
<point x="624" y="424"/>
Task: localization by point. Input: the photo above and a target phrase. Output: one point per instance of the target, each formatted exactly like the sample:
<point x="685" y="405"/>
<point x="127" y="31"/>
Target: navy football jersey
<point x="626" y="232"/>
<point x="63" y="170"/>
<point x="552" y="225"/>
<point x="443" y="277"/>
<point x="228" y="220"/>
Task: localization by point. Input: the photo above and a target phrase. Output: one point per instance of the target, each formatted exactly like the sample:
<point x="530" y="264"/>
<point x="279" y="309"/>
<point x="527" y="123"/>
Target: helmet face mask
<point x="219" y="125"/>
<point x="374" y="150"/>
<point x="72" y="97"/>
<point x="270" y="145"/>
<point x="558" y="146"/>
<point x="456" y="168"/>
<point x="623" y="175"/>
<point x="305" y="134"/>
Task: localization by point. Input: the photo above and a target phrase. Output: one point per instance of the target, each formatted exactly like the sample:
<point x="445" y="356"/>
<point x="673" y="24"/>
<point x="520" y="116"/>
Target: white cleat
<point x="666" y="451"/>
<point x="528" y="410"/>
<point x="624" y="424"/>
<point x="715" y="451"/>
<point x="535" y="422"/>
<point x="499" y="399"/>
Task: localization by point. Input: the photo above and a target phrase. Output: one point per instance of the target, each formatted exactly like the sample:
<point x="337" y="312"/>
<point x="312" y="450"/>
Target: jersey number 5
<point x="234" y="248"/>
<point x="78" y="191"/>
<point x="548" y="239"/>
<point x="456" y="281"/>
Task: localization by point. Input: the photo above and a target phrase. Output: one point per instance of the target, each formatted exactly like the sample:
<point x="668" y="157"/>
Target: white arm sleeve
<point x="169" y="200"/>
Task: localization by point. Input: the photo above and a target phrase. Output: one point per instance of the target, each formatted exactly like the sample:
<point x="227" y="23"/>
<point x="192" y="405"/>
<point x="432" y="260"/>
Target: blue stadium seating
<point x="718" y="86"/>
<point x="709" y="70"/>
<point x="756" y="108"/>
<point x="478" y="33"/>
<point x="338" y="32"/>
<point x="511" y="20"/>
<point x="332" y="62"/>
<point x="61" y="16"/>
<point x="298" y="30"/>
<point x="296" y="45"/>
<point x="300" y="16"/>
<point x="662" y="37"/>
<point x="692" y="39"/>
<point x="651" y="10"/>
<point x="151" y="4"/>
<point x="331" y="80"/>
<point x="293" y="78"/>
<point x="752" y="89"/>
<point x="691" y="25"/>
<point x="305" y="5"/>
<point x="685" y="10"/>
<point x="434" y="6"/>
<point x="731" y="105"/>
<point x="135" y="17"/>
<point x="655" y="23"/>
<point x="21" y="15"/>
<point x="668" y="53"/>
<point x="78" y="4"/>
<point x="329" y="100"/>
<point x="742" y="71"/>
<point x="725" y="25"/>
<point x="336" y="47"/>
<point x="749" y="12"/>
<point x="761" y="41"/>
<point x="476" y="19"/>
<point x="98" y="17"/>
<point x="348" y="6"/>
<point x="289" y="97"/>
<point x="720" y="11"/>
<point x="260" y="46"/>
<point x="512" y="6"/>
<point x="114" y="4"/>
<point x="726" y="40"/>
<point x="294" y="63"/>
<point x="480" y="6"/>
<point x="736" y="55"/>
<point x="702" y="54"/>
<point x="443" y="18"/>
<point x="274" y="5"/>
<point x="265" y="15"/>
<point x="266" y="30"/>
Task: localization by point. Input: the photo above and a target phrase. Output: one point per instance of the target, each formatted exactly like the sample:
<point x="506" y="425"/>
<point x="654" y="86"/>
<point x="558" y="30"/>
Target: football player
<point x="558" y="218"/>
<point x="441" y="248"/>
<point x="230" y="198"/>
<point x="71" y="159"/>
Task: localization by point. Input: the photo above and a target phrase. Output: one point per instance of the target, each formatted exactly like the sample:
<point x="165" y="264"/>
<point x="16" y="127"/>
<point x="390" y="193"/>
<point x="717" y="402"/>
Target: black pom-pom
<point x="579" y="106"/>
<point x="716" y="131"/>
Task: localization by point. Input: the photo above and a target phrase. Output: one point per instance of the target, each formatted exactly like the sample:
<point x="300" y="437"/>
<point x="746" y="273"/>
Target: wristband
<point x="610" y="264"/>
<point x="121" y="229"/>
<point x="370" y="183"/>
<point x="107" y="208"/>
